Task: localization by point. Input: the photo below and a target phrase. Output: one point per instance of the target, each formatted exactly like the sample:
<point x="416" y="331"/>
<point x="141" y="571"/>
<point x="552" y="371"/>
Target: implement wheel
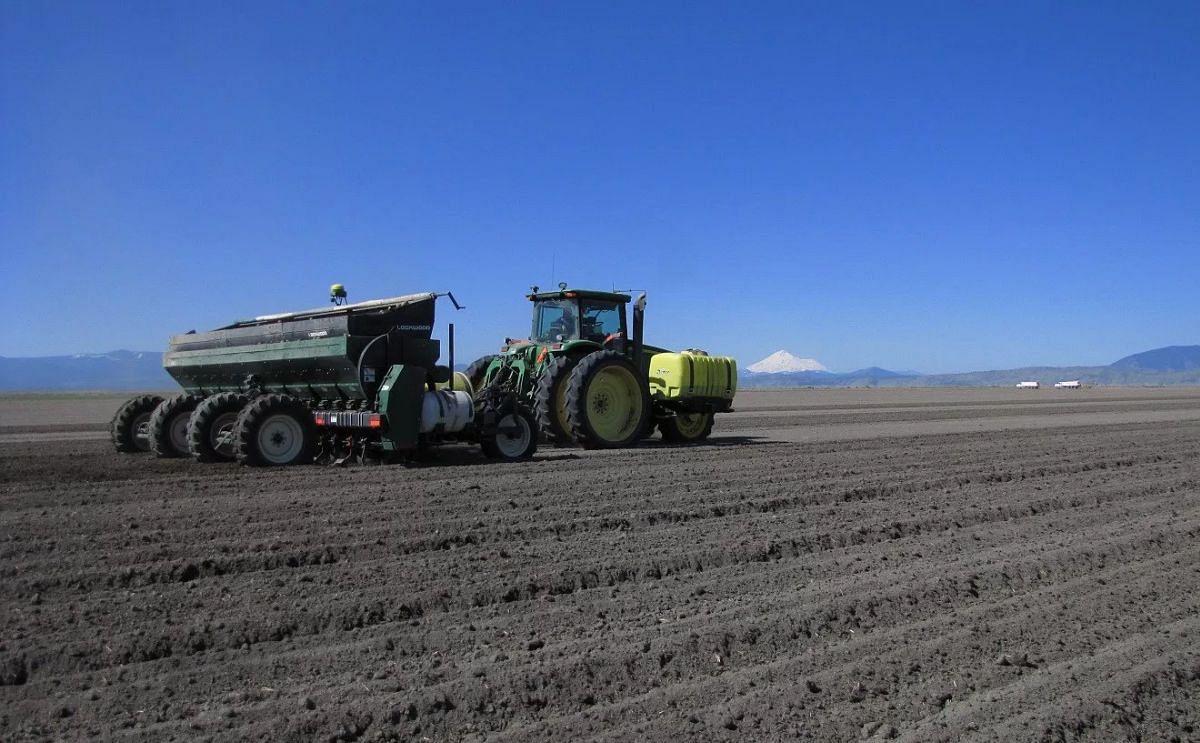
<point x="515" y="437"/>
<point x="550" y="400"/>
<point x="168" y="425"/>
<point x="274" y="431"/>
<point x="685" y="428"/>
<point x="210" y="428"/>
<point x="130" y="427"/>
<point x="607" y="401"/>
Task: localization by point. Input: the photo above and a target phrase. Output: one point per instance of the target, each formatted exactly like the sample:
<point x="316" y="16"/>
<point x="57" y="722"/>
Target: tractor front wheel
<point x="608" y="401"/>
<point x="686" y="428"/>
<point x="478" y="370"/>
<point x="274" y="431"/>
<point x="515" y="437"/>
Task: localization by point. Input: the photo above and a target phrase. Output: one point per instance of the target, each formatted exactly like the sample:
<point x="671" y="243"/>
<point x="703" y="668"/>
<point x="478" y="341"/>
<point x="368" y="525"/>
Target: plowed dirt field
<point x="917" y="565"/>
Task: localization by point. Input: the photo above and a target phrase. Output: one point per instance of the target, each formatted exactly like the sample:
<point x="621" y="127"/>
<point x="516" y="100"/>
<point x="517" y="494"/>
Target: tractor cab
<point x="568" y="316"/>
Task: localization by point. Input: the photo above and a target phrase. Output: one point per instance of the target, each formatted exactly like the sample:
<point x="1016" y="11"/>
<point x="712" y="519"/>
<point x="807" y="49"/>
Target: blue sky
<point x="935" y="186"/>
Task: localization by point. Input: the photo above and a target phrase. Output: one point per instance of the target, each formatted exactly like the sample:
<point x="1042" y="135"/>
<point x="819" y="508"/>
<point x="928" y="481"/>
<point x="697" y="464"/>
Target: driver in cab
<point x="564" y="325"/>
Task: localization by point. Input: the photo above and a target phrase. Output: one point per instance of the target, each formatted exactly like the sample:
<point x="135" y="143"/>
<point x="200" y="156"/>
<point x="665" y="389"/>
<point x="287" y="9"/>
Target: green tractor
<point x="590" y="380"/>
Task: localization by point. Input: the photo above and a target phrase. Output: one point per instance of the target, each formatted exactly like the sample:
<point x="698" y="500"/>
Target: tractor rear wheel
<point x="608" y="401"/>
<point x="550" y="400"/>
<point x="477" y="370"/>
<point x="169" y="424"/>
<point x="515" y="437"/>
<point x="273" y="431"/>
<point x="130" y="427"/>
<point x="210" y="428"/>
<point x="686" y="428"/>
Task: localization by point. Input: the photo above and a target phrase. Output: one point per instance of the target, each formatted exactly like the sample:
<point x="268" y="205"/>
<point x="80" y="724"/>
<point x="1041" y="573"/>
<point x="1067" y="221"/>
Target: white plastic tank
<point x="444" y="411"/>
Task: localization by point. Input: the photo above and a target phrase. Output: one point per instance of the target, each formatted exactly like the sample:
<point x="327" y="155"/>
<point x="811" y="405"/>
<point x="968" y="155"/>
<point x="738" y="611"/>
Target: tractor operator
<point x="564" y="325"/>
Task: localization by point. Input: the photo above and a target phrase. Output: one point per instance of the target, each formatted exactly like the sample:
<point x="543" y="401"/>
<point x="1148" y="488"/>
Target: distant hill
<point x="1168" y="359"/>
<point x="875" y="371"/>
<point x="118" y="370"/>
<point x="1048" y="375"/>
<point x="869" y="377"/>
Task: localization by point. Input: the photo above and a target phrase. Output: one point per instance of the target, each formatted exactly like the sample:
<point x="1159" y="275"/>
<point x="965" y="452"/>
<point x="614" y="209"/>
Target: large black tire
<point x="273" y="431"/>
<point x="212" y="419"/>
<point x="608" y="401"/>
<point x="516" y="437"/>
<point x="550" y="400"/>
<point x="130" y="427"/>
<point x="168" y="425"/>
<point x="686" y="428"/>
<point x="477" y="370"/>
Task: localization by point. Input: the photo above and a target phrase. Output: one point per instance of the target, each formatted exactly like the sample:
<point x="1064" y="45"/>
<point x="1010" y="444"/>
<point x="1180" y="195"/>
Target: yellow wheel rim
<point x="614" y="403"/>
<point x="692" y="425"/>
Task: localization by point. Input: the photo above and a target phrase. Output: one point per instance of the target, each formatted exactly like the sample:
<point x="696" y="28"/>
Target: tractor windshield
<point x="600" y="320"/>
<point x="556" y="320"/>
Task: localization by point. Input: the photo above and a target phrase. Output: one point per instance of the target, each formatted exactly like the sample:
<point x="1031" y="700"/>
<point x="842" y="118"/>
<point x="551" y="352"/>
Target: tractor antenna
<point x="337" y="294"/>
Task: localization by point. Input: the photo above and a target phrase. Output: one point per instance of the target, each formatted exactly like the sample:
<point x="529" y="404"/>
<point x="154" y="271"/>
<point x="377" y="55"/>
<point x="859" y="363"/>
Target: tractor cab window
<point x="600" y="320"/>
<point x="556" y="320"/>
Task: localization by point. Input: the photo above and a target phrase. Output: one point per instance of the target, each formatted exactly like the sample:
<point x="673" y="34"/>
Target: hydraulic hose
<point x="362" y="357"/>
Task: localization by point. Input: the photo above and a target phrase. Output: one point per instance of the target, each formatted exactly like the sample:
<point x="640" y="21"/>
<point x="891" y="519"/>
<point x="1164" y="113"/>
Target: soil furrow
<point x="834" y="565"/>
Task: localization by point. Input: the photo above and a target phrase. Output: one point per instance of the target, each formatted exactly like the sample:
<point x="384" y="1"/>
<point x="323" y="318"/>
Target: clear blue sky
<point x="934" y="186"/>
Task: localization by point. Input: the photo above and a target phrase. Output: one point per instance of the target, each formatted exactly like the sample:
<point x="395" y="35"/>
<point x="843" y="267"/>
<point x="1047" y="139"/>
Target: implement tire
<point x="686" y="428"/>
<point x="608" y="401"/>
<point x="477" y="370"/>
<point x="130" y="427"/>
<point x="169" y="423"/>
<point x="275" y="431"/>
<point x="213" y="419"/>
<point x="550" y="400"/>
<point x="515" y="437"/>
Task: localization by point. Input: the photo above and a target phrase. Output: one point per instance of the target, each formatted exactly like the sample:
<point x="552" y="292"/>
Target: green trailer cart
<point x="335" y="384"/>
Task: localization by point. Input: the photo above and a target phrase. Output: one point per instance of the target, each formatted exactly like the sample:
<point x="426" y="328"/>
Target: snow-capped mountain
<point x="782" y="361"/>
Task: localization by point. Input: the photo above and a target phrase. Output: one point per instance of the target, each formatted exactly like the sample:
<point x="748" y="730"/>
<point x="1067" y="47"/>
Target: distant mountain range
<point x="134" y="370"/>
<point x="1169" y="365"/>
<point x="118" y="371"/>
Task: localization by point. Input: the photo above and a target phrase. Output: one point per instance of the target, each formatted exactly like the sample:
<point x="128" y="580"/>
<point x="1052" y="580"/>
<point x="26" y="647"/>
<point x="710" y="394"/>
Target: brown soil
<point x="941" y="565"/>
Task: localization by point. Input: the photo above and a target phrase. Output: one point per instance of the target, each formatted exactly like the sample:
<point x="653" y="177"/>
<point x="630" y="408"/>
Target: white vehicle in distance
<point x="1072" y="385"/>
<point x="1027" y="385"/>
